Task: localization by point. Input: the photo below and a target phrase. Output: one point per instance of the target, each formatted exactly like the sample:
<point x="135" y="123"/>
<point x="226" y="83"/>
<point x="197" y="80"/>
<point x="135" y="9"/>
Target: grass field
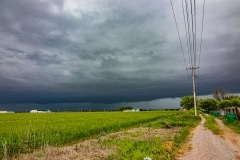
<point x="235" y="125"/>
<point x="23" y="133"/>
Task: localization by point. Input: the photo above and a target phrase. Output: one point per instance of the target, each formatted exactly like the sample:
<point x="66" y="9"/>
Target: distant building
<point x="132" y="110"/>
<point x="182" y="109"/>
<point x="7" y="112"/>
<point x="40" y="111"/>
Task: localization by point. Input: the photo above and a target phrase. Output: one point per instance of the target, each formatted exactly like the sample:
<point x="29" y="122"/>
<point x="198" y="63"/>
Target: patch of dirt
<point x="232" y="138"/>
<point x="207" y="146"/>
<point x="93" y="150"/>
<point x="144" y="133"/>
<point x="85" y="150"/>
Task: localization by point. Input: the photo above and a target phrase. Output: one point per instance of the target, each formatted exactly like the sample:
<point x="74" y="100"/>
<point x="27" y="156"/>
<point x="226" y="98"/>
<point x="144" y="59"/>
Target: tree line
<point x="122" y="108"/>
<point x="221" y="99"/>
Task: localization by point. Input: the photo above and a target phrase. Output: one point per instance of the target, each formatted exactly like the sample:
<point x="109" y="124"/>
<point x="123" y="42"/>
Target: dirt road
<point x="207" y="146"/>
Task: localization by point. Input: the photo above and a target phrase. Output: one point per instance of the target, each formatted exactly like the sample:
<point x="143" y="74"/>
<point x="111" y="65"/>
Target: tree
<point x="224" y="104"/>
<point x="187" y="102"/>
<point x="209" y="104"/>
<point x="235" y="102"/>
<point x="129" y="107"/>
<point x="122" y="108"/>
<point x="219" y="94"/>
<point x="229" y="97"/>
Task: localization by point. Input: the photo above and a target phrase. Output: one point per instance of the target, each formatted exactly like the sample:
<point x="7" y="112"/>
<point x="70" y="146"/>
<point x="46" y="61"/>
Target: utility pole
<point x="194" y="89"/>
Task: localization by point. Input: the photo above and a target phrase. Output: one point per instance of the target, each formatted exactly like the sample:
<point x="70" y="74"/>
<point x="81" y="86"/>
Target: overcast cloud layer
<point x="109" y="51"/>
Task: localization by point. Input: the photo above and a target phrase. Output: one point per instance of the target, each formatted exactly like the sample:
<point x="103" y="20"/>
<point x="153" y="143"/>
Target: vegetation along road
<point x="208" y="146"/>
<point x="116" y="135"/>
<point x="99" y="135"/>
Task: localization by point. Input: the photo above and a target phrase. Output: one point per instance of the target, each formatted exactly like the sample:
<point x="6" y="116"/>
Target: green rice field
<point x="25" y="132"/>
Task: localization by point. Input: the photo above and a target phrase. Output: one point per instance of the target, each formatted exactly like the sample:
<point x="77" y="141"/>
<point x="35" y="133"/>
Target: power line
<point x="201" y="33"/>
<point x="186" y="33"/>
<point x="193" y="29"/>
<point x="220" y="80"/>
<point x="179" y="36"/>
<point x="195" y="34"/>
<point x="190" y="24"/>
<point x="193" y="50"/>
<point x="200" y="52"/>
<point x="212" y="85"/>
<point x="178" y="33"/>
<point x="189" y="33"/>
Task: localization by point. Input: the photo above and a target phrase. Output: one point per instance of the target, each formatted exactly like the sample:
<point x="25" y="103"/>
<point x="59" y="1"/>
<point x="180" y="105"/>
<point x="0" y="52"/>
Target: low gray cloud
<point x="112" y="51"/>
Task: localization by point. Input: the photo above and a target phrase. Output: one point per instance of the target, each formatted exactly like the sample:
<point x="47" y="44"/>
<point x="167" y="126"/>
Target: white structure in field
<point x="7" y="112"/>
<point x="132" y="110"/>
<point x="40" y="111"/>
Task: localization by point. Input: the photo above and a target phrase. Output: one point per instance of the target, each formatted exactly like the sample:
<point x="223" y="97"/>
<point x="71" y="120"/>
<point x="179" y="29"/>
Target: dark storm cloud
<point x="109" y="51"/>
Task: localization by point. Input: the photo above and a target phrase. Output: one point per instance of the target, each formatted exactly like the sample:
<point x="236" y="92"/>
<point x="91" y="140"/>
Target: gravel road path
<point x="207" y="146"/>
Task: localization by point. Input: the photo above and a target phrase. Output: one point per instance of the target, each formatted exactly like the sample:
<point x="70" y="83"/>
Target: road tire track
<point x="207" y="146"/>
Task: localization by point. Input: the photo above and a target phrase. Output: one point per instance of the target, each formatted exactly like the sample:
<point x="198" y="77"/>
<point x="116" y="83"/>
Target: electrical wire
<point x="195" y="34"/>
<point x="201" y="33"/>
<point x="189" y="32"/>
<point x="213" y="85"/>
<point x="192" y="30"/>
<point x="178" y="33"/>
<point x="200" y="49"/>
<point x="189" y="11"/>
<point x="186" y="32"/>
<point x="179" y="36"/>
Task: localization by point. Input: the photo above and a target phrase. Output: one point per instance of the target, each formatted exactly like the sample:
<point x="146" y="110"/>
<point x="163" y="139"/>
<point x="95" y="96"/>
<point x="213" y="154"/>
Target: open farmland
<point x="24" y="133"/>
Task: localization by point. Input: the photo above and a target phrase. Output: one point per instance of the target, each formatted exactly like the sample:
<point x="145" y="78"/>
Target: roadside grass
<point x="164" y="144"/>
<point x="212" y="125"/>
<point x="234" y="126"/>
<point x="24" y="133"/>
<point x="187" y="122"/>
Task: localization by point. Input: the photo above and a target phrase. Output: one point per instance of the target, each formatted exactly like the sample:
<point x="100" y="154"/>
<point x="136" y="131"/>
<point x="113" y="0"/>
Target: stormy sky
<point x="113" y="51"/>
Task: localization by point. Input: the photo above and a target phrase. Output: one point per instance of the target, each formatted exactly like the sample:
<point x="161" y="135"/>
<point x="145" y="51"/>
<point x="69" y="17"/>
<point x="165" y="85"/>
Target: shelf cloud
<point x="113" y="51"/>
